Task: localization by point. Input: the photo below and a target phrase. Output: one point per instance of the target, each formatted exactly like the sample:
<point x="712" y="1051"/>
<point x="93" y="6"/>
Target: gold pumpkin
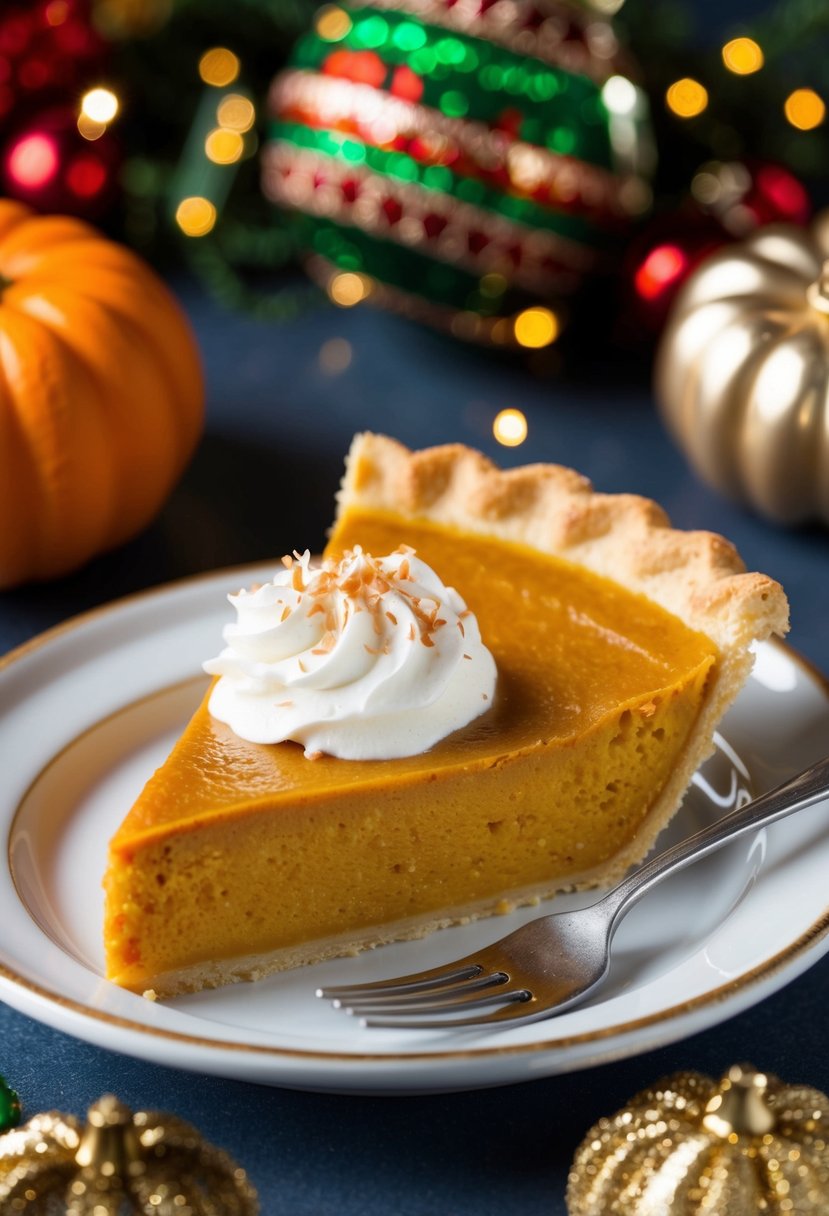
<point x="119" y="1162"/>
<point x="743" y="371"/>
<point x="691" y="1147"/>
<point x="101" y="394"/>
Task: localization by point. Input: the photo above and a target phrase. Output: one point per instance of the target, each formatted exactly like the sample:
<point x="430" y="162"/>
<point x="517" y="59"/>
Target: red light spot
<point x="363" y="67"/>
<point x="391" y="209"/>
<point x="56" y="12"/>
<point x="660" y="269"/>
<point x="406" y="84"/>
<point x="86" y="176"/>
<point x="33" y="161"/>
<point x="787" y="196"/>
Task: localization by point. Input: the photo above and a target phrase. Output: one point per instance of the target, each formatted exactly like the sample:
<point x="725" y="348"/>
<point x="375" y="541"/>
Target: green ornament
<point x="9" y="1106"/>
<point x="456" y="165"/>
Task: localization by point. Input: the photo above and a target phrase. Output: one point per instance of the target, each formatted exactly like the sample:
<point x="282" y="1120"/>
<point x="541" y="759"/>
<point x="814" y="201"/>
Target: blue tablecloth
<point x="263" y="482"/>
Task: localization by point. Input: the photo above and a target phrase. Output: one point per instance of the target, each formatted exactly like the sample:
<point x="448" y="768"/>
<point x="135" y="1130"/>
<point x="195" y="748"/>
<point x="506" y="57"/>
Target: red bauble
<point x="48" y="164"/>
<point x="727" y="201"/>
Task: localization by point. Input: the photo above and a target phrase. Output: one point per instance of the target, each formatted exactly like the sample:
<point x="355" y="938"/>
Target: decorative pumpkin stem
<point x="739" y="1108"/>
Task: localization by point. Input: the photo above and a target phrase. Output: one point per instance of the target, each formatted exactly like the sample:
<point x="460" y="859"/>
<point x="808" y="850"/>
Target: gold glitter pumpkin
<point x="119" y="1162"/>
<point x="690" y="1146"/>
<point x="743" y="371"/>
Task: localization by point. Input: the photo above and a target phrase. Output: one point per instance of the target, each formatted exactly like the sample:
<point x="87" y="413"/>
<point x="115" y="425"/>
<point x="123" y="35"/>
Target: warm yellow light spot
<point x="805" y="109"/>
<point x="742" y="56"/>
<point x="101" y="105"/>
<point x="493" y="284"/>
<point x="510" y="428"/>
<point x="236" y="112"/>
<point x="195" y="216"/>
<point x="687" y="97"/>
<point x="224" y="147"/>
<point x="219" y="66"/>
<point x="335" y="356"/>
<point x="89" y="128"/>
<point x="536" y="327"/>
<point x="333" y="23"/>
<point x="349" y="288"/>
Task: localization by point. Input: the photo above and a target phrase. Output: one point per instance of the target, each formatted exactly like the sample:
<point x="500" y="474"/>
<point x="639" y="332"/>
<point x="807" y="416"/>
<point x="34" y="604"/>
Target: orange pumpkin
<point x="101" y="394"/>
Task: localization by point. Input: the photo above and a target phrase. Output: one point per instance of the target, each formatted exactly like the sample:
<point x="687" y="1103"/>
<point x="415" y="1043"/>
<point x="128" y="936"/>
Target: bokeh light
<point x="195" y="216"/>
<point x="33" y="161"/>
<point x="620" y="95"/>
<point x="805" y="109"/>
<point x="662" y="267"/>
<point x="224" y="147"/>
<point x="536" y="327"/>
<point x="333" y="23"/>
<point x="236" y="112"/>
<point x="686" y="97"/>
<point x="742" y="56"/>
<point x="219" y="67"/>
<point x="335" y="356"/>
<point x="349" y="288"/>
<point x="99" y="105"/>
<point x="510" y="428"/>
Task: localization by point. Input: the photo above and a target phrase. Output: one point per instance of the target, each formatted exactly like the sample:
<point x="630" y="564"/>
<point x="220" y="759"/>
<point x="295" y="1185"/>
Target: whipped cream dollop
<point x="367" y="658"/>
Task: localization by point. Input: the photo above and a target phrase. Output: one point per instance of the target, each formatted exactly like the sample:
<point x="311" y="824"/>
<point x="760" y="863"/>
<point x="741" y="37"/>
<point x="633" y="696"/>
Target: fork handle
<point x="798" y="792"/>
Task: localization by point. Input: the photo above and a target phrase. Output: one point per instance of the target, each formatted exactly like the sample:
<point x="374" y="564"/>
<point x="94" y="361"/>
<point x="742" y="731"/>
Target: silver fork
<point x="552" y="963"/>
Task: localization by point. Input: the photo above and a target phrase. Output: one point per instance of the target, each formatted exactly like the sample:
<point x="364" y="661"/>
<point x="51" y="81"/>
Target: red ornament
<point x="50" y="55"/>
<point x="727" y="201"/>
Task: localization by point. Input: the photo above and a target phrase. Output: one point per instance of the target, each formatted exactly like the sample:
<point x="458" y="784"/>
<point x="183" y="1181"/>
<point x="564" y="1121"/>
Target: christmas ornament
<point x="689" y="1146"/>
<point x="103" y="394"/>
<point x="118" y="1162"/>
<point x="727" y="201"/>
<point x="743" y="371"/>
<point x="9" y="1106"/>
<point x="56" y="151"/>
<point x="461" y="162"/>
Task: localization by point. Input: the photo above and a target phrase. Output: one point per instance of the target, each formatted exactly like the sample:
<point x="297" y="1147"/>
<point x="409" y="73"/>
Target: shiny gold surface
<point x="690" y="1146"/>
<point x="743" y="371"/>
<point x="145" y="1162"/>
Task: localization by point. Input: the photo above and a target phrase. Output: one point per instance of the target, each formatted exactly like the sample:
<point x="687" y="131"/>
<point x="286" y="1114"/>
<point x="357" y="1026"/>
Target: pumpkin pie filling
<point x="240" y="858"/>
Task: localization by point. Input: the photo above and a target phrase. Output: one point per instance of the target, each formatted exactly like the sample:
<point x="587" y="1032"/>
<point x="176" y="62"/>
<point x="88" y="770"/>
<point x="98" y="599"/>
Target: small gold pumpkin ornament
<point x="690" y="1146"/>
<point x="742" y="372"/>
<point x="119" y="1162"/>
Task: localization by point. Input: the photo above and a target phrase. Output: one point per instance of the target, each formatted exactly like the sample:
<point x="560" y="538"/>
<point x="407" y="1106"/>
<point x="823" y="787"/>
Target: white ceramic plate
<point x="88" y="710"/>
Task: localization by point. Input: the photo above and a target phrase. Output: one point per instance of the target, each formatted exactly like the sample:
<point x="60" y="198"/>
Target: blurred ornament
<point x="743" y="371"/>
<point x="727" y="201"/>
<point x="103" y="394"/>
<point x="54" y="155"/>
<point x="49" y="164"/>
<point x="688" y="1145"/>
<point x="9" y="1106"/>
<point x="118" y="1162"/>
<point x="466" y="162"/>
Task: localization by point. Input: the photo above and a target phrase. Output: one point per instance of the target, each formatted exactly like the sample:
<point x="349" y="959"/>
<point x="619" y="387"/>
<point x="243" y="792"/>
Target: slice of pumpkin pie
<point x="496" y="686"/>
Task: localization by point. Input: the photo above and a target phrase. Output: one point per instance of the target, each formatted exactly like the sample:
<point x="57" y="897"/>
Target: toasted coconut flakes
<point x="296" y="579"/>
<point x="315" y="609"/>
<point x="440" y="621"/>
<point x="392" y="617"/>
<point x="426" y="640"/>
<point x="403" y="572"/>
<point x="460" y="626"/>
<point x="287" y="561"/>
<point x="411" y="633"/>
<point x="468" y="656"/>
<point x="286" y="612"/>
<point x="372" y="649"/>
<point x="302" y="666"/>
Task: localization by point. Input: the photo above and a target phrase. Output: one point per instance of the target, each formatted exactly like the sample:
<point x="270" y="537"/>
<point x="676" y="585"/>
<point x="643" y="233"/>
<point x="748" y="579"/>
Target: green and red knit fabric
<point x="467" y="158"/>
